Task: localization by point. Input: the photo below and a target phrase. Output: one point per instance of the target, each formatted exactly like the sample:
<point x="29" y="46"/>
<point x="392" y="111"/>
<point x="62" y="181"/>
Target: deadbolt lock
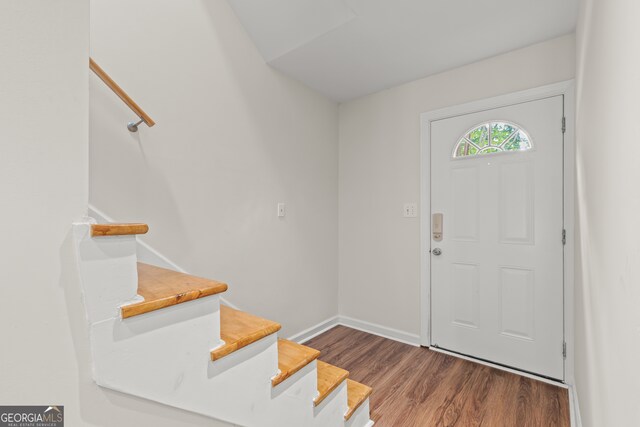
<point x="436" y="227"/>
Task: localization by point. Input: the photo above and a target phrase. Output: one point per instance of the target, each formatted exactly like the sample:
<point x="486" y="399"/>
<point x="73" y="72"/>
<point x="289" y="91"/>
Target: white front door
<point x="497" y="267"/>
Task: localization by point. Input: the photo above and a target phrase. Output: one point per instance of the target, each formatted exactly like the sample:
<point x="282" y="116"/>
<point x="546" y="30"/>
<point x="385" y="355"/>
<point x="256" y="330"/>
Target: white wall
<point x="234" y="137"/>
<point x="379" y="264"/>
<point x="43" y="183"/>
<point x="608" y="291"/>
<point x="44" y="114"/>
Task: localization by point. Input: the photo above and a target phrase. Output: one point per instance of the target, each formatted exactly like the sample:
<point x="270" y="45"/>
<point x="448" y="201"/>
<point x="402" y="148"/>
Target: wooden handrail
<point x="120" y="92"/>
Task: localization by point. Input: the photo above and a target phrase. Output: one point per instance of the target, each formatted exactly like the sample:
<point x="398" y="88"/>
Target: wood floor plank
<point x="486" y="384"/>
<point x="416" y="387"/>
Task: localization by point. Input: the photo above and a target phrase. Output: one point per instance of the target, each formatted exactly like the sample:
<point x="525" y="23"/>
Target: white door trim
<point x="566" y="88"/>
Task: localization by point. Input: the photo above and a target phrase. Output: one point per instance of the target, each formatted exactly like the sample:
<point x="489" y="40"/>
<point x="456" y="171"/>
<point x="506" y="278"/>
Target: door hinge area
<point x="564" y="237"/>
<point x="564" y="349"/>
<point x="564" y="125"/>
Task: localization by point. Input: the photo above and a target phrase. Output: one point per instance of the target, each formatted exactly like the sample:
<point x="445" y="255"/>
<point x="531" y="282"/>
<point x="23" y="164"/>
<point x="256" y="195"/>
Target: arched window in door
<point x="492" y="137"/>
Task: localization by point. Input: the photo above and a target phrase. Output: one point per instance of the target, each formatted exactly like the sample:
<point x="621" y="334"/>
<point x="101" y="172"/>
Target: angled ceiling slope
<point x="349" y="48"/>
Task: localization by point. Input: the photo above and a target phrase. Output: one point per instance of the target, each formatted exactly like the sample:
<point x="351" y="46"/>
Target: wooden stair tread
<point x="161" y="288"/>
<point x="239" y="329"/>
<point x="114" y="229"/>
<point x="356" y="394"/>
<point x="291" y="358"/>
<point x="329" y="378"/>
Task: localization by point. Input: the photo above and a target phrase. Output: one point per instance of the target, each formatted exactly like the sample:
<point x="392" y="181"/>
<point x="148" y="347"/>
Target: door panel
<point x="497" y="287"/>
<point x="516" y="203"/>
<point x="465" y="204"/>
<point x="516" y="302"/>
<point x="464" y="304"/>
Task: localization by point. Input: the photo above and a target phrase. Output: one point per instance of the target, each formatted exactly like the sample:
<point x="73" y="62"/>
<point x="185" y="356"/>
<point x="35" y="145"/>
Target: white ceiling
<point x="350" y="48"/>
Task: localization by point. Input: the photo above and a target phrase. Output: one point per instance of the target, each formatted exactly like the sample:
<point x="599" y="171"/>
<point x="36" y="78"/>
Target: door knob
<point x="437" y="251"/>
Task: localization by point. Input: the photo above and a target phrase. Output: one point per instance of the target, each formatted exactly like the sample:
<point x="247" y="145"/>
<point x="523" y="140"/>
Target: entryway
<point x="496" y="235"/>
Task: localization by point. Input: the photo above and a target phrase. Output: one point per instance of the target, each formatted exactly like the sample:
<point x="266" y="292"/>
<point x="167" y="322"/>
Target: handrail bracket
<point x="133" y="126"/>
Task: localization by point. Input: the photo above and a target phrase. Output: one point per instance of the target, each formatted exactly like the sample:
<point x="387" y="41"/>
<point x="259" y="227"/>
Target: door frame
<point x="566" y="88"/>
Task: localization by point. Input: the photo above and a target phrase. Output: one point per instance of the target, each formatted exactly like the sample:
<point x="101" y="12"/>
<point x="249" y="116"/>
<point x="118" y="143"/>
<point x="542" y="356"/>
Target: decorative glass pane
<point x="492" y="137"/>
<point x="479" y="136"/>
<point x="500" y="132"/>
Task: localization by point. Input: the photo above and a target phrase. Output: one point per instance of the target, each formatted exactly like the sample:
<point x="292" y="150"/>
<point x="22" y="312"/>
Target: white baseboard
<point x="382" y="331"/>
<point x="361" y="325"/>
<point x="314" y="331"/>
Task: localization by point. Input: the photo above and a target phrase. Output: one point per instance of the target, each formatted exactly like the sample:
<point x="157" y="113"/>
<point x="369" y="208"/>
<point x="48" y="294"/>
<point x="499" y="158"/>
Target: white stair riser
<point x="332" y="409"/>
<point x="164" y="356"/>
<point x="162" y="364"/>
<point x="171" y="364"/>
<point x="108" y="270"/>
<point x="292" y="400"/>
<point x="361" y="417"/>
<point x="154" y="351"/>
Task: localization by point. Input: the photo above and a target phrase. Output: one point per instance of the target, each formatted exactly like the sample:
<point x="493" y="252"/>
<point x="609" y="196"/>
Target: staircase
<point x="164" y="335"/>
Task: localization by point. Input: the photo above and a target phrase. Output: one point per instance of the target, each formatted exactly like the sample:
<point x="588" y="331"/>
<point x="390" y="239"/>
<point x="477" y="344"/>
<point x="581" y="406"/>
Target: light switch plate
<point x="410" y="210"/>
<point x="281" y="210"/>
